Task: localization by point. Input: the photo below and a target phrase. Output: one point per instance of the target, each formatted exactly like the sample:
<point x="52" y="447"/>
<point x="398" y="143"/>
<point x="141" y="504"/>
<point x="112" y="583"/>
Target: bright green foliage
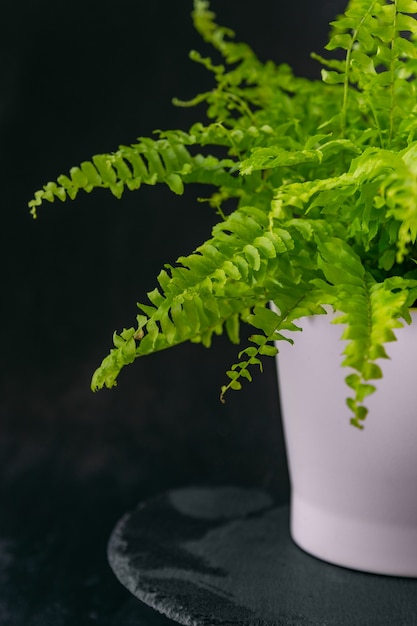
<point x="324" y="179"/>
<point x="379" y="61"/>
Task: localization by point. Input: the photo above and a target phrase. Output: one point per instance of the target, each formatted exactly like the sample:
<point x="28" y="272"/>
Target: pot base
<point x="368" y="546"/>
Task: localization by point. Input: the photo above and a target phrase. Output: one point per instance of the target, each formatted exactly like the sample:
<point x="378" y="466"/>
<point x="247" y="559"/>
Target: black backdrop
<point x="79" y="78"/>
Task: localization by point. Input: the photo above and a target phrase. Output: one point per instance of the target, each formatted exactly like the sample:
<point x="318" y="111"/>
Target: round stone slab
<point x="223" y="556"/>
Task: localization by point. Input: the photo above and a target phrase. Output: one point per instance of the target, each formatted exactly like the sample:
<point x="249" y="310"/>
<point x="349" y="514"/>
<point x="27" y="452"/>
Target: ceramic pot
<point x="354" y="492"/>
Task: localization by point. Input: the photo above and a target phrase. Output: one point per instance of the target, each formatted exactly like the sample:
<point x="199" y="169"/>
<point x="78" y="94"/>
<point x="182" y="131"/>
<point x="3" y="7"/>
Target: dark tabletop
<point x="79" y="78"/>
<point x="223" y="556"/>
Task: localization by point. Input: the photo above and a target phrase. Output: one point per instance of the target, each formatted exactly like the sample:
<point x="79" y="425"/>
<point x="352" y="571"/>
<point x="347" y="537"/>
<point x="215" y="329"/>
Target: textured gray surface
<point x="224" y="556"/>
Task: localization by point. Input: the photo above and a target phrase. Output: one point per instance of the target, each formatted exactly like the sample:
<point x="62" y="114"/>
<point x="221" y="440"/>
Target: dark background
<point x="79" y="78"/>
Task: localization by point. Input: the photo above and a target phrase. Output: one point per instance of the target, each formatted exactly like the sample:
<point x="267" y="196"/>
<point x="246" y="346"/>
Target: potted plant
<point x="315" y="197"/>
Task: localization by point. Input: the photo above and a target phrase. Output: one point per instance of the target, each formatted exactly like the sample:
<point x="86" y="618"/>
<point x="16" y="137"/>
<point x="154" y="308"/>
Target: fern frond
<point x="378" y="65"/>
<point x="247" y="262"/>
<point x="167" y="160"/>
<point x="399" y="191"/>
<point x="272" y="323"/>
<point x="376" y="200"/>
<point x="371" y="311"/>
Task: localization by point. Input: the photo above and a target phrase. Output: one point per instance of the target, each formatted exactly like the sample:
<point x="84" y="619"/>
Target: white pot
<point x="354" y="493"/>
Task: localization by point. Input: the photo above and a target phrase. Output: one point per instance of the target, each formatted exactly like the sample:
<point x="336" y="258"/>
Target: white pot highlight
<point x="354" y="493"/>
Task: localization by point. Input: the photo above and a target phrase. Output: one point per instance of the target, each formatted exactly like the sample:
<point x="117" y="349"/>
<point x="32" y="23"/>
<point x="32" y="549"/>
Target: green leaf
<point x="268" y="350"/>
<point x="332" y="78"/>
<point x="175" y="183"/>
<point x="105" y="169"/>
<point x="233" y="328"/>
<point x="91" y="173"/>
<point x="78" y="178"/>
<point x="407" y="6"/>
<point x="266" y="247"/>
<point x="264" y="319"/>
<point x="252" y="256"/>
<point x="343" y="40"/>
<point x="406" y="23"/>
<point x="339" y="263"/>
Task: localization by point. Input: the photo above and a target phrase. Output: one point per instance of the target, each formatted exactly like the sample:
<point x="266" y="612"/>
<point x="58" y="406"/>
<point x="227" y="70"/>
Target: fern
<point x="167" y="160"/>
<point x="371" y="312"/>
<point x="322" y="178"/>
<point x="378" y="70"/>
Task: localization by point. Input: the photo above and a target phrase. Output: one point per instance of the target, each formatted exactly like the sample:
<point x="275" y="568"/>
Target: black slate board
<point x="223" y="556"/>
